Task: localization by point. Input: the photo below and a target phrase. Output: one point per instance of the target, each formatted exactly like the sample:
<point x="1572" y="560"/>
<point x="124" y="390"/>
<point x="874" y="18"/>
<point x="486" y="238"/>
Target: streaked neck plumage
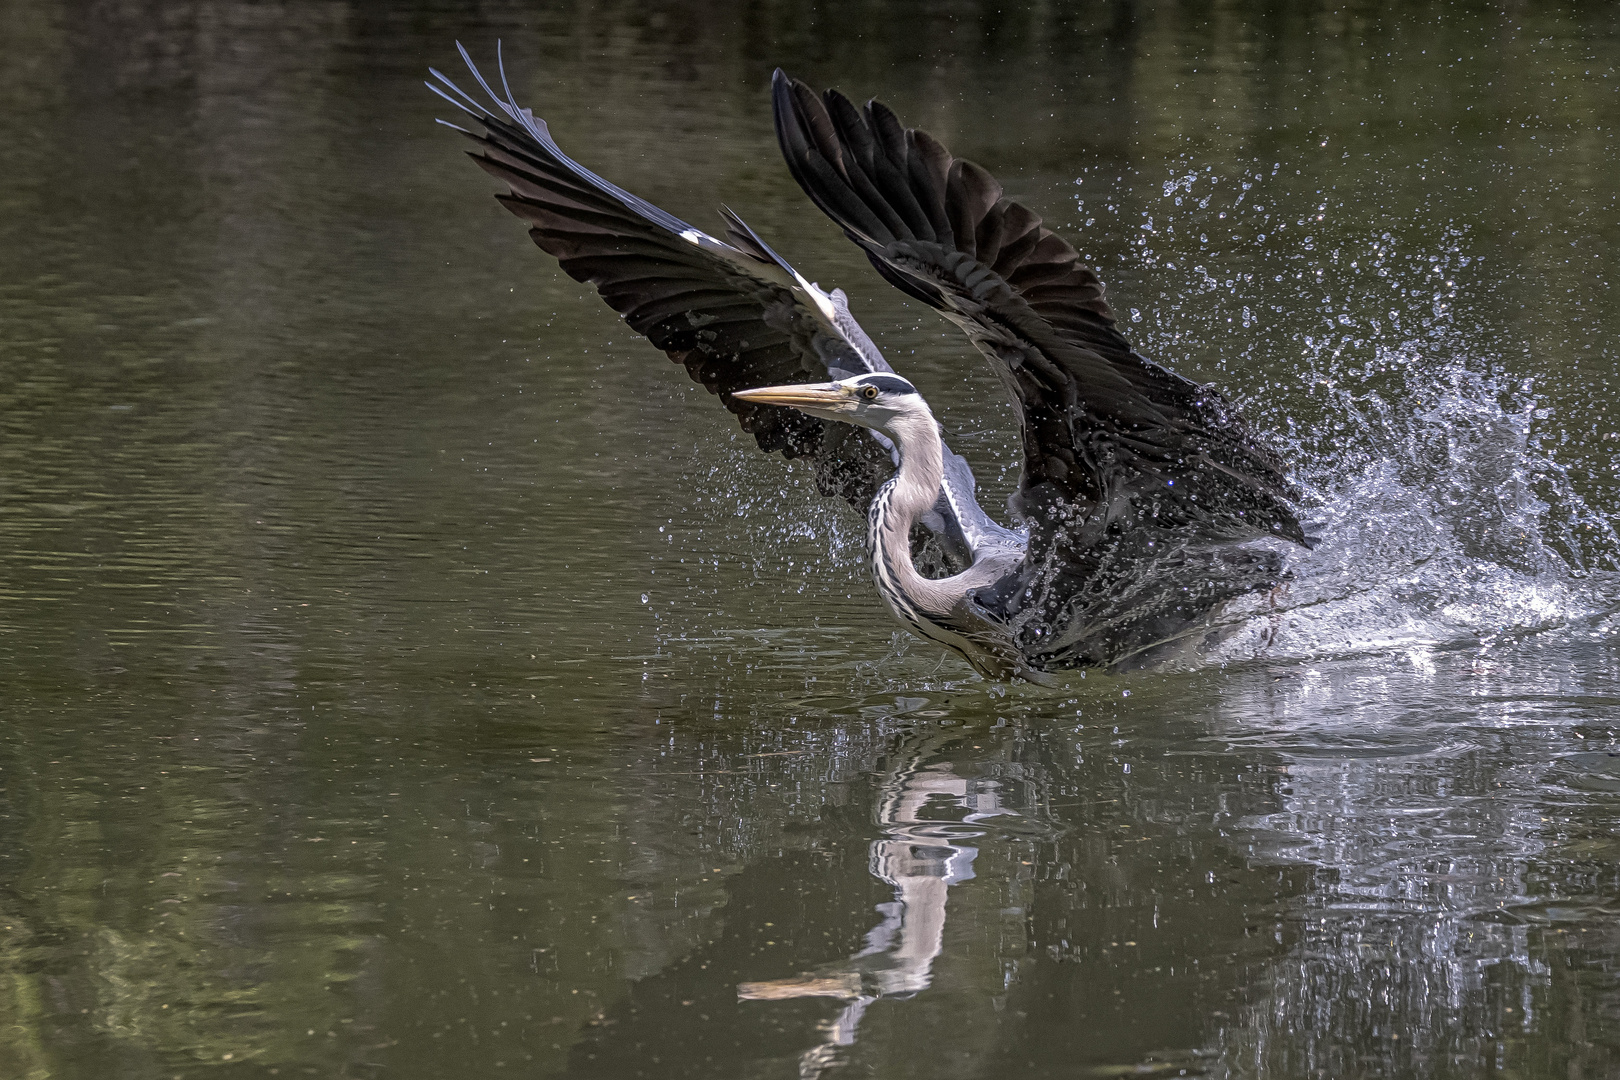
<point x="942" y="609"/>
<point x="911" y="493"/>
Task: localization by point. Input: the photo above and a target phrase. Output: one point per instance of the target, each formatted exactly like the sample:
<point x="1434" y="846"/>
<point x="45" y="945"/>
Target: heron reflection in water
<point x="928" y="814"/>
<point x="1142" y="494"/>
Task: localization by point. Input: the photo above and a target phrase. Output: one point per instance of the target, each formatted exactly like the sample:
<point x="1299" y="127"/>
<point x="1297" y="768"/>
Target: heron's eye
<point x="869" y="392"/>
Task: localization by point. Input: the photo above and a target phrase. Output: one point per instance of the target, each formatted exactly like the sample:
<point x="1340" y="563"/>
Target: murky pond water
<point x="405" y="673"/>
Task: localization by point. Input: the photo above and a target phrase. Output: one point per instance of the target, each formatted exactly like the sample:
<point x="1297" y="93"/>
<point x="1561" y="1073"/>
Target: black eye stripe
<point x="891" y="384"/>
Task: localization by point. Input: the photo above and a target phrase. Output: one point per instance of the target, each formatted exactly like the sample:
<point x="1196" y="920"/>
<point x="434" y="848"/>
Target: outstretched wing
<point x="734" y="314"/>
<point x="1114" y="444"/>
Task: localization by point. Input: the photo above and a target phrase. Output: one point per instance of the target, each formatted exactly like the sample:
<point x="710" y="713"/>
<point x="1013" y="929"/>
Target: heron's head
<point x="873" y="401"/>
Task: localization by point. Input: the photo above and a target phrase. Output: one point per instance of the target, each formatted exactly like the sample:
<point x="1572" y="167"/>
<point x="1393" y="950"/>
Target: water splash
<point x="1446" y="543"/>
<point x="1443" y="515"/>
<point x="1364" y="340"/>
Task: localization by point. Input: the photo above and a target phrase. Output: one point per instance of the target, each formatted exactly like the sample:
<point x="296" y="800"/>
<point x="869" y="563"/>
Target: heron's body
<point x="937" y="609"/>
<point x="1140" y="491"/>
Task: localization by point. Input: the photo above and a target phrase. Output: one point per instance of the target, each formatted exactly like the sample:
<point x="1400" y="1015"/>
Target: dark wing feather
<point x="735" y="315"/>
<point x="1114" y="445"/>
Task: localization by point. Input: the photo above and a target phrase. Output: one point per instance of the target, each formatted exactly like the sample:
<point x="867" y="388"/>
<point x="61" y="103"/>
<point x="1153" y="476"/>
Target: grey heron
<point x="1141" y="492"/>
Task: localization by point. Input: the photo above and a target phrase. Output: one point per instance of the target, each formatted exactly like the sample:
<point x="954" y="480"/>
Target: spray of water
<point x="1442" y="515"/>
<point x="1362" y="343"/>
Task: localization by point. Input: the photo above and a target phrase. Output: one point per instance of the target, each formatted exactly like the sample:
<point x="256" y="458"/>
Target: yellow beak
<point x="825" y="396"/>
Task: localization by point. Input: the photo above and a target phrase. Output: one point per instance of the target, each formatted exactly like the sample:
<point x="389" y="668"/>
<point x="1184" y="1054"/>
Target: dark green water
<point x="405" y="673"/>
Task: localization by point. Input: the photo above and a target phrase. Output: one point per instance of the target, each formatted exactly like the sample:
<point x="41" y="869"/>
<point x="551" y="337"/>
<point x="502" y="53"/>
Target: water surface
<point x="406" y="673"/>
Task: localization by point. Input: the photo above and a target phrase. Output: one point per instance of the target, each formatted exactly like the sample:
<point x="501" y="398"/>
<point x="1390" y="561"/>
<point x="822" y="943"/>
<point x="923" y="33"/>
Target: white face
<point x="868" y="400"/>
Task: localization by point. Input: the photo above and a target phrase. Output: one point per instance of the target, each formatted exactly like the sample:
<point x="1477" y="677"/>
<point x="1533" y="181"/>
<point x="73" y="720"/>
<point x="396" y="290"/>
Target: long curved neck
<point x="910" y="494"/>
